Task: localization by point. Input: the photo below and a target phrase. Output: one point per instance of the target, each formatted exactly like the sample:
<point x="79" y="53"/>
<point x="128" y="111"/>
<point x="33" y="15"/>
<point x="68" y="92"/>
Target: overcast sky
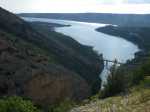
<point x="104" y="6"/>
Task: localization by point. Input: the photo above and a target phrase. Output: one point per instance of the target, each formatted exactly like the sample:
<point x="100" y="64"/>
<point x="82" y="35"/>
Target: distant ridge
<point x="106" y="18"/>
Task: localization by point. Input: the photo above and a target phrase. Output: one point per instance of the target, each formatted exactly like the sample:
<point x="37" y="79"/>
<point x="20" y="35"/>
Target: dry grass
<point x="137" y="101"/>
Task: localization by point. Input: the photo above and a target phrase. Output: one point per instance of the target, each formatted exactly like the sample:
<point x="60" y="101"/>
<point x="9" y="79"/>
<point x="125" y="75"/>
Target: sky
<point x="77" y="6"/>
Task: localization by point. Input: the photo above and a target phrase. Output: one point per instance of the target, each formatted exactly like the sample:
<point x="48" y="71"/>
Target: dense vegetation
<point x="45" y="66"/>
<point x="122" y="78"/>
<point x="19" y="104"/>
<point x="115" y="83"/>
<point x="16" y="104"/>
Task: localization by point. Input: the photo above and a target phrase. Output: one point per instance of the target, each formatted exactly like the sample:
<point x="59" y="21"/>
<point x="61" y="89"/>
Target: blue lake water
<point x="111" y="47"/>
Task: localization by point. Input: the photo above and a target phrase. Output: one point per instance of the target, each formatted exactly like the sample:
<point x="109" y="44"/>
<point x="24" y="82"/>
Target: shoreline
<point x="130" y="34"/>
<point x="48" y="29"/>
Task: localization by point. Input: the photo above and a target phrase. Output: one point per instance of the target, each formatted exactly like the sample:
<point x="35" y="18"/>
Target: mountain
<point x="106" y="18"/>
<point x="46" y="67"/>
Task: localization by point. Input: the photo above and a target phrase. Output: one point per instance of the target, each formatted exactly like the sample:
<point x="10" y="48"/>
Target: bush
<point x="137" y="76"/>
<point x="64" y="106"/>
<point x="146" y="68"/>
<point x="115" y="83"/>
<point x="16" y="104"/>
<point x="121" y="78"/>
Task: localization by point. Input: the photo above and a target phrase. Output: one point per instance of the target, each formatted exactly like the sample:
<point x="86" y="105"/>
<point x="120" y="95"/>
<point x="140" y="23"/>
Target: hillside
<point x="137" y="35"/>
<point x="45" y="67"/>
<point x="106" y="18"/>
<point x="137" y="100"/>
<point x="134" y="72"/>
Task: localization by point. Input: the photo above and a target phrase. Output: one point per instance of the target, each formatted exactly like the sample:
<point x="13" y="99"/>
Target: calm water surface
<point x="111" y="47"/>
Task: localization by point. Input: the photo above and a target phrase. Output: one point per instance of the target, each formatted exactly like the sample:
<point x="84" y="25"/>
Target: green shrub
<point x="16" y="104"/>
<point x="122" y="78"/>
<point x="137" y="76"/>
<point x="146" y="68"/>
<point x="64" y="106"/>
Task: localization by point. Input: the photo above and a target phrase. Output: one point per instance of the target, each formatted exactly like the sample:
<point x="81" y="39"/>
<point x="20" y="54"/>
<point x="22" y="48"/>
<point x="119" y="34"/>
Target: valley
<point x="35" y="61"/>
<point x="55" y="62"/>
<point x="85" y="34"/>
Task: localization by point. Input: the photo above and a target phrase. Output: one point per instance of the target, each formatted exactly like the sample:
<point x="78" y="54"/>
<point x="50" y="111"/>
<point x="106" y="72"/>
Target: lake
<point x="111" y="47"/>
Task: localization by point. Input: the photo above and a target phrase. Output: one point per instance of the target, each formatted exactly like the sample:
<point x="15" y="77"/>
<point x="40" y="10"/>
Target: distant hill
<point x="43" y="65"/>
<point x="106" y="18"/>
<point x="137" y="35"/>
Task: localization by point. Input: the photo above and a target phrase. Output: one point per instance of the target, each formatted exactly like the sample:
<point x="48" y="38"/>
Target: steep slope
<point x="27" y="71"/>
<point x="136" y="101"/>
<point x="42" y="67"/>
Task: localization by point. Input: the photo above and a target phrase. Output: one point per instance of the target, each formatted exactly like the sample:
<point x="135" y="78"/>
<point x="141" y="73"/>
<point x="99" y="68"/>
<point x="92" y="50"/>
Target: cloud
<point x="138" y="1"/>
<point x="124" y="1"/>
<point x="111" y="1"/>
<point x="110" y="6"/>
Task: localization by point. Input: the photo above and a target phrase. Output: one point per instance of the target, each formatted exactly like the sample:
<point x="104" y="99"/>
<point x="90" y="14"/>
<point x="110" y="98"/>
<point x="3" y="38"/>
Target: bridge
<point x="113" y="61"/>
<point x="106" y="62"/>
